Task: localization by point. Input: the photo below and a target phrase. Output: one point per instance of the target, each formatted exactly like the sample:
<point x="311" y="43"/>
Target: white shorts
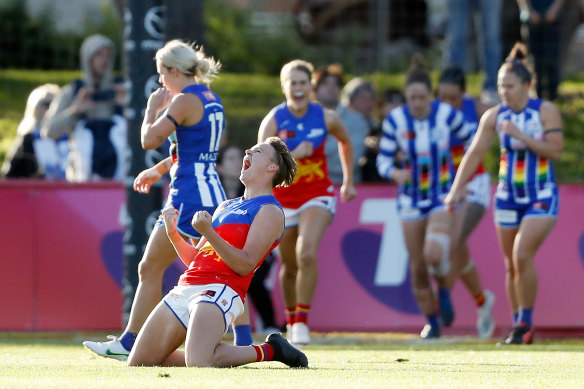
<point x="479" y="190"/>
<point x="293" y="215"/>
<point x="182" y="299"/>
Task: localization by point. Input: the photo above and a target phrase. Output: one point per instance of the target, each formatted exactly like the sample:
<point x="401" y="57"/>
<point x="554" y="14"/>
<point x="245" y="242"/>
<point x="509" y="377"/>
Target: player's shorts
<point x="186" y="211"/>
<point x="293" y="215"/>
<point x="510" y="214"/>
<point x="479" y="190"/>
<point x="182" y="300"/>
<point x="408" y="212"/>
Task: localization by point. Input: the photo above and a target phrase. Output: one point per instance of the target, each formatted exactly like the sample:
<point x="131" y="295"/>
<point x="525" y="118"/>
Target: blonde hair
<point x="297" y="64"/>
<point x="190" y="60"/>
<point x="33" y="115"/>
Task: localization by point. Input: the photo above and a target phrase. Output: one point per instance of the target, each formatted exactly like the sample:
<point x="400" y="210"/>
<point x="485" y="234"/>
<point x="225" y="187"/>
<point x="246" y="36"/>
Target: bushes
<point x="248" y="98"/>
<point x="28" y="42"/>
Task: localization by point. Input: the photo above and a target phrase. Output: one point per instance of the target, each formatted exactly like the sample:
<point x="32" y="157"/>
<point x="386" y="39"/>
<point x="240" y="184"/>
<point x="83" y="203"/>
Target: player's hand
<point x="454" y="198"/>
<point x="509" y="128"/>
<point x="348" y="192"/>
<point x="202" y="222"/>
<point x="170" y="217"/>
<point x="146" y="179"/>
<point x="400" y="176"/>
<point x="304" y="149"/>
<point x="159" y="99"/>
<point x="121" y="94"/>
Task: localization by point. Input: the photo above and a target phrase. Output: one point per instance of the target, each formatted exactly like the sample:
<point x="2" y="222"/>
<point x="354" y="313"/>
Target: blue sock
<point x="443" y="294"/>
<point x="127" y="340"/>
<point x="525" y="316"/>
<point x="242" y="335"/>
<point x="433" y="320"/>
<point x="515" y="319"/>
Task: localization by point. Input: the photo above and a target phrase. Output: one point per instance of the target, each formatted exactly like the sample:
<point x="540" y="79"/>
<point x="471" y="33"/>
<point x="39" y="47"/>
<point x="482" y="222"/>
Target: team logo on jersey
<point x="208" y="252"/>
<point x="224" y="302"/>
<point x="408" y="135"/>
<point x="239" y="212"/>
<point x="209" y="95"/>
<point x="285" y="134"/>
<point x="300" y="127"/>
<point x="309" y="171"/>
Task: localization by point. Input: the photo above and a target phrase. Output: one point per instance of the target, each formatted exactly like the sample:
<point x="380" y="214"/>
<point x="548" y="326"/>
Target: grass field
<point x="57" y="360"/>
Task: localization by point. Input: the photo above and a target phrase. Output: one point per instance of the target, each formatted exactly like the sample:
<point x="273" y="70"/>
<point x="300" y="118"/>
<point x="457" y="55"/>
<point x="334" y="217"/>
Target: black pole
<point x="144" y="33"/>
<point x="184" y="20"/>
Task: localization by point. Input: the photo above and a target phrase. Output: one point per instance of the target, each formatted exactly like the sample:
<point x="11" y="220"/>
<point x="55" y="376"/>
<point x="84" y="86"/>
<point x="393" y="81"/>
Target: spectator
<point x="328" y="82"/>
<point x="89" y="111"/>
<point x="358" y="100"/>
<point x="460" y="13"/>
<point x="390" y="99"/>
<point x="544" y="43"/>
<point x="31" y="155"/>
<point x="229" y="168"/>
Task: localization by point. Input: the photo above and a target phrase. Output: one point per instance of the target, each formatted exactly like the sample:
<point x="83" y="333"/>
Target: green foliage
<point x="34" y="43"/>
<point x="249" y="97"/>
<point x="242" y="48"/>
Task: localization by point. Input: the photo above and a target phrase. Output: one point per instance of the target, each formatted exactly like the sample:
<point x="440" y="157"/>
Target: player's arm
<point x="265" y="229"/>
<point x="268" y="128"/>
<point x="475" y="154"/>
<point x="337" y="129"/>
<point x="147" y="177"/>
<point x="185" y="251"/>
<point x="553" y="140"/>
<point x="156" y="129"/>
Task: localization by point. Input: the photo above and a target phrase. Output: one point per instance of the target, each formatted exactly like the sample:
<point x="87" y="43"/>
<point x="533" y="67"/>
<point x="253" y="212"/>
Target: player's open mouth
<point x="246" y="164"/>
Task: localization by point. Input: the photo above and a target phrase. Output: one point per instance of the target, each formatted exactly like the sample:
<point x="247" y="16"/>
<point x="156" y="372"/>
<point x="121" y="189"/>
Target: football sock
<point x="242" y="335"/>
<point x="127" y="340"/>
<point x="515" y="319"/>
<point x="290" y="313"/>
<point x="443" y="294"/>
<point x="264" y="352"/>
<point x="479" y="299"/>
<point x="301" y="313"/>
<point x="524" y="317"/>
<point x="433" y="320"/>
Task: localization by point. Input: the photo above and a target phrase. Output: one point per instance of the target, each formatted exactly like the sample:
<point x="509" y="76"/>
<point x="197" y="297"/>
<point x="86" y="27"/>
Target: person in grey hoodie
<point x="90" y="112"/>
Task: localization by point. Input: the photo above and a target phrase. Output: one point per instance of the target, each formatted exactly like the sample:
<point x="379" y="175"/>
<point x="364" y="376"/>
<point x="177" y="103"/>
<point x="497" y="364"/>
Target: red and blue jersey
<point x="312" y="178"/>
<point x="232" y="222"/>
<point x="471" y="124"/>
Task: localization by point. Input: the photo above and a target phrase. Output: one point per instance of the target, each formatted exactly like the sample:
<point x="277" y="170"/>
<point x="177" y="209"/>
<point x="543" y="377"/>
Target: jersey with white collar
<point x="425" y="150"/>
<point x="312" y="178"/>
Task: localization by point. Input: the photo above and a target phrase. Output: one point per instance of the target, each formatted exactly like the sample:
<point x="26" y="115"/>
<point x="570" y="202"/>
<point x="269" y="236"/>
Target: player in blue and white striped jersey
<point x="193" y="118"/>
<point x="526" y="202"/>
<point x="420" y="132"/>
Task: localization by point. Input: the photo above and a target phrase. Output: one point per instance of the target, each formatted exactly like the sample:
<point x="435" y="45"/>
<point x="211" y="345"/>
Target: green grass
<point x="31" y="360"/>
